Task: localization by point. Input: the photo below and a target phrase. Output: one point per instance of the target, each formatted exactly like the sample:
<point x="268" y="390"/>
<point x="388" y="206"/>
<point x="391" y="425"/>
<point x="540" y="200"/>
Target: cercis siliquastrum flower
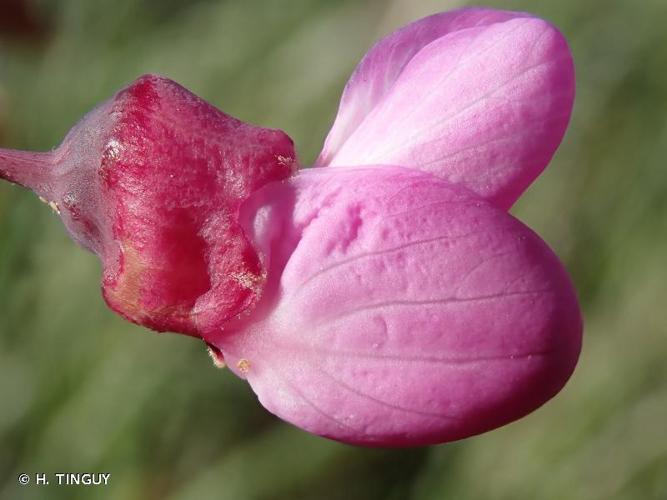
<point x="384" y="297"/>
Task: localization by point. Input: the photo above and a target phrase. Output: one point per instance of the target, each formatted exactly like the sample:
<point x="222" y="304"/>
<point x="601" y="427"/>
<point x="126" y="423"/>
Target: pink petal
<point x="382" y="65"/>
<point x="400" y="309"/>
<point x="484" y="106"/>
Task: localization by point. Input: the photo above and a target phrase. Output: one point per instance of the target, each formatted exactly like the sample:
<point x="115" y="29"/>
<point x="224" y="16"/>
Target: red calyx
<point x="152" y="181"/>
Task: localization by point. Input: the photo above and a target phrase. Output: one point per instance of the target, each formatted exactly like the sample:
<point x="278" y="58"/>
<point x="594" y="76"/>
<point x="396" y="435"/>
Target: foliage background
<point x="81" y="390"/>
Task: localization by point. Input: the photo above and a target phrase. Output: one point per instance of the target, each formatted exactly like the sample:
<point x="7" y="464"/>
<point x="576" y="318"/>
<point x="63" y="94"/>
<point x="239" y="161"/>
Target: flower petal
<point x="382" y="65"/>
<point x="485" y="106"/>
<point x="400" y="309"/>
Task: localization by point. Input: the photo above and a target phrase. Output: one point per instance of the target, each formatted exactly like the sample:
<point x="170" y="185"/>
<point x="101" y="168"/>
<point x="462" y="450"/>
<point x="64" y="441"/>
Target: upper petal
<point x="485" y="106"/>
<point x="382" y="65"/>
<point x="401" y="310"/>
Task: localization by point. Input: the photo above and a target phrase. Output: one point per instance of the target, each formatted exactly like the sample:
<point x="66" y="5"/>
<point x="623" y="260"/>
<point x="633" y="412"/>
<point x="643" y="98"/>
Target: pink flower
<point x="383" y="298"/>
<point x="404" y="305"/>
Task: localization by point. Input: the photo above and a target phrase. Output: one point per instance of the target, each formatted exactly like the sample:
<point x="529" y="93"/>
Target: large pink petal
<point x="484" y="106"/>
<point x="400" y="309"/>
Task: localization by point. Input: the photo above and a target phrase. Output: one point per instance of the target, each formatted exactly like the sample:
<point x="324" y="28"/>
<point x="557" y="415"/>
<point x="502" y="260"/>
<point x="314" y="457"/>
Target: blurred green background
<point x="83" y="391"/>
